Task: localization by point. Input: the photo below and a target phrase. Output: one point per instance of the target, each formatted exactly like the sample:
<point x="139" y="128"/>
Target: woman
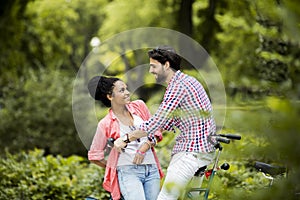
<point x="135" y="172"/>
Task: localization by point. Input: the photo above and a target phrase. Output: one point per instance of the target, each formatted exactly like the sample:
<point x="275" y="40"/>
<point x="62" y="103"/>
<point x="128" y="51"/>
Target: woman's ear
<point x="109" y="96"/>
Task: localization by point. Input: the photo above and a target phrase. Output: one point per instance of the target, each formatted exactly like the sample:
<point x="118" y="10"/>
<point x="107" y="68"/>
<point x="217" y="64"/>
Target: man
<point x="185" y="106"/>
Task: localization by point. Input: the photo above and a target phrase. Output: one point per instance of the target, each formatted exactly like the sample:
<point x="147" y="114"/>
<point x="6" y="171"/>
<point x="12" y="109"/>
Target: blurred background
<point x="254" y="44"/>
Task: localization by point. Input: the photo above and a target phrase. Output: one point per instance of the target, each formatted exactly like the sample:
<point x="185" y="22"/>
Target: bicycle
<point x="196" y="192"/>
<point x="271" y="172"/>
<point x="276" y="173"/>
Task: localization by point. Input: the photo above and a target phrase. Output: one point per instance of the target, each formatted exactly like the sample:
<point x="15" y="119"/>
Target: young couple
<point x="132" y="167"/>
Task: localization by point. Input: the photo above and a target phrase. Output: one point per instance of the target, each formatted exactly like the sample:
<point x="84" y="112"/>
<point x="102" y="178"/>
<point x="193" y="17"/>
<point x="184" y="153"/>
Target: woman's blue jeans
<point x="139" y="182"/>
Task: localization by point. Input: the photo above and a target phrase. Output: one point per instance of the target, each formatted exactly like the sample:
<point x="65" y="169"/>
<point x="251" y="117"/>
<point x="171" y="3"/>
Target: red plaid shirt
<point x="187" y="107"/>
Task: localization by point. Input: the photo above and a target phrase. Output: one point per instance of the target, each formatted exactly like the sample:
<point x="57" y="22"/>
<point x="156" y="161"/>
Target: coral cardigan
<point x="109" y="127"/>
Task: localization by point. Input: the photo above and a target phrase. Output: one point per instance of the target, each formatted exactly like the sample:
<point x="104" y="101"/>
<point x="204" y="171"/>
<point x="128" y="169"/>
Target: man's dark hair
<point x="166" y="53"/>
<point x="99" y="87"/>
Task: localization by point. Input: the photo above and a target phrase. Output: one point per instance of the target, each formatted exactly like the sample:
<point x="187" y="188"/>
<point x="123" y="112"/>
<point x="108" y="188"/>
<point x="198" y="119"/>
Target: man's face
<point x="158" y="70"/>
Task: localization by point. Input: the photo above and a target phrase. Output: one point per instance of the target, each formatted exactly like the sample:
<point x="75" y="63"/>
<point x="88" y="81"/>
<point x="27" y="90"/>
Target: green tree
<point x="278" y="52"/>
<point x="12" y="30"/>
<point x="36" y="112"/>
<point x="59" y="33"/>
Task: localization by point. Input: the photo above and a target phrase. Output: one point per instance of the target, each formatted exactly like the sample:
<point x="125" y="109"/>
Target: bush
<point x="36" y="112"/>
<point x="34" y="176"/>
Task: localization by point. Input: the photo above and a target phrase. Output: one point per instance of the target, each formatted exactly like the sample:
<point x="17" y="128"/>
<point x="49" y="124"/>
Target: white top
<point x="126" y="158"/>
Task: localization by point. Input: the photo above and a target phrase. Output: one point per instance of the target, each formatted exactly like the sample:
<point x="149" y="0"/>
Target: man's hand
<point x="119" y="144"/>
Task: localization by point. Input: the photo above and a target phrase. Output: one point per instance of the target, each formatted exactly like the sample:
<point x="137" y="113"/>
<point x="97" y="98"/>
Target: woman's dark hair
<point x="165" y="53"/>
<point x="100" y="86"/>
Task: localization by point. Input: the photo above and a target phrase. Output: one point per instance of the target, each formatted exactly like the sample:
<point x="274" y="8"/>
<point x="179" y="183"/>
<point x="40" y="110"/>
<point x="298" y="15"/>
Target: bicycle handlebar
<point x="223" y="140"/>
<point x="110" y="141"/>
<point x="231" y="136"/>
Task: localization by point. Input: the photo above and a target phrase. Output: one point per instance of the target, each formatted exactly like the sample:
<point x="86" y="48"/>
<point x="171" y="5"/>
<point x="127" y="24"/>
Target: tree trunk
<point x="185" y="22"/>
<point x="209" y="26"/>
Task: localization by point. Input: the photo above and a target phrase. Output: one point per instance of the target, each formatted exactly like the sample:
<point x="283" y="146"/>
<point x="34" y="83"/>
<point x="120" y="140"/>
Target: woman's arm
<point x="140" y="153"/>
<point x="96" y="152"/>
<point x="100" y="163"/>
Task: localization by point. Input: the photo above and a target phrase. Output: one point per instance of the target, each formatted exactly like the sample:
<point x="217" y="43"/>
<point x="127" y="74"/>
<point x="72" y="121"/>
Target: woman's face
<point x="120" y="94"/>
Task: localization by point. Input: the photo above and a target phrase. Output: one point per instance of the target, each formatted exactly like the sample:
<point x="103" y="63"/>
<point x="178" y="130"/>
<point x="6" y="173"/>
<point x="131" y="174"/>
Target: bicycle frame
<point x="210" y="173"/>
<point x="220" y="138"/>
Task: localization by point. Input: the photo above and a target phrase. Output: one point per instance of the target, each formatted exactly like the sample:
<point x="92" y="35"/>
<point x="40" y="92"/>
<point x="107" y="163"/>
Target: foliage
<point x="52" y="35"/>
<point x="34" y="176"/>
<point x="271" y="135"/>
<point x="255" y="45"/>
<point x="37" y="112"/>
<point x="61" y="39"/>
<point x="149" y="14"/>
<point x="11" y="13"/>
<point x="278" y="52"/>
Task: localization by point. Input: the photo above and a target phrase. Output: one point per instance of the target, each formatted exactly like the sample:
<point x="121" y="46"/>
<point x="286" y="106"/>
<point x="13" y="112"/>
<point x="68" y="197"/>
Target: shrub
<point x="34" y="176"/>
<point x="36" y="112"/>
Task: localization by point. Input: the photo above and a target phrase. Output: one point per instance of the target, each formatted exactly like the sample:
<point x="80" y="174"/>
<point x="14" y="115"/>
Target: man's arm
<point x="121" y="142"/>
<point x="164" y="115"/>
<point x="136" y="134"/>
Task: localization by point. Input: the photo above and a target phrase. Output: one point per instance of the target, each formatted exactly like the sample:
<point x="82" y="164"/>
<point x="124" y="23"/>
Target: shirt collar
<point x="112" y="115"/>
<point x="176" y="77"/>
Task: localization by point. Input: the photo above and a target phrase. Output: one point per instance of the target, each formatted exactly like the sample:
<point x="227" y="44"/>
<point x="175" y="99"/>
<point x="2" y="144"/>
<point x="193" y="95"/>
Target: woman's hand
<point x="119" y="144"/>
<point x="140" y="153"/>
<point x="139" y="157"/>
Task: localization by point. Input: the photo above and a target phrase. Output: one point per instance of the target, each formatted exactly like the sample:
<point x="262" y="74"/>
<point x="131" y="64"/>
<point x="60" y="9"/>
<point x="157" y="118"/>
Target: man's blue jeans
<point x="139" y="182"/>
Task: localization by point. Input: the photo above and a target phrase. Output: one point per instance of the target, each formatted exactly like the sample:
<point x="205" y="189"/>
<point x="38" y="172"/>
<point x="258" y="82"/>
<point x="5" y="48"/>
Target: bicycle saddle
<point x="200" y="171"/>
<point x="272" y="170"/>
